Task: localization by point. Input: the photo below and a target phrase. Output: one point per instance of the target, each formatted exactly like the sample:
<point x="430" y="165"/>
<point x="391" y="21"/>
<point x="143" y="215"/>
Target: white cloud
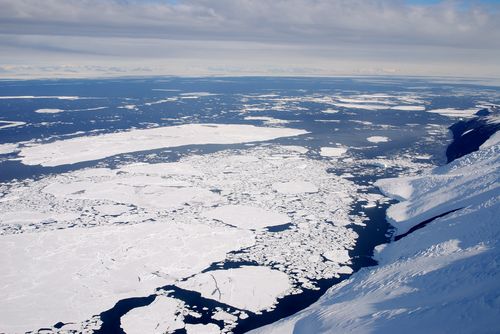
<point x="293" y="36"/>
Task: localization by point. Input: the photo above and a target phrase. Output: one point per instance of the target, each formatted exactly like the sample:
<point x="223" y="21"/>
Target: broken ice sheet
<point x="78" y="272"/>
<point x="139" y="255"/>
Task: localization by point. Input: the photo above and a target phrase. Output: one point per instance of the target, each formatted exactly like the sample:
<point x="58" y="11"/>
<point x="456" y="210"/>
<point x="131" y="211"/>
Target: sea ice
<point x="78" y="272"/>
<point x="377" y="139"/>
<point x="295" y="187"/>
<point x="161" y="316"/>
<point x="202" y="329"/>
<point x="147" y="192"/>
<point x="267" y="120"/>
<point x="453" y="112"/>
<point x="101" y="146"/>
<point x="8" y="148"/>
<point x="112" y="209"/>
<point x="409" y="108"/>
<point x="251" y="288"/>
<point x="11" y="124"/>
<point x="161" y="169"/>
<point x="330" y="111"/>
<point x="21" y="97"/>
<point x="248" y="217"/>
<point x="143" y="195"/>
<point x="224" y="316"/>
<point x="298" y="149"/>
<point x="338" y="255"/>
<point x="49" y="111"/>
<point x="362" y="106"/>
<point x="333" y="151"/>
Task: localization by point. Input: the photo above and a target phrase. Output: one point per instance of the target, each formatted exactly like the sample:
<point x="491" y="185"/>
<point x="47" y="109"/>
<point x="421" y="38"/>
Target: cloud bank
<point x="292" y="37"/>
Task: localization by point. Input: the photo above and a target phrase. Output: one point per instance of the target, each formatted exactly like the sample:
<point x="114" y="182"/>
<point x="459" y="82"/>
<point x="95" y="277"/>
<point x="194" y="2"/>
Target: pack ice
<point x="80" y="241"/>
<point x="443" y="277"/>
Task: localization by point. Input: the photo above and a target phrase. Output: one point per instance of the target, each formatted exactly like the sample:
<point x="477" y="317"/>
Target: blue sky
<point x="241" y="37"/>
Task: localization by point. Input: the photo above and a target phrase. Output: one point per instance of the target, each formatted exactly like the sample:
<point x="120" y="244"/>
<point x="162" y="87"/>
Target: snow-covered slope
<point x="444" y="278"/>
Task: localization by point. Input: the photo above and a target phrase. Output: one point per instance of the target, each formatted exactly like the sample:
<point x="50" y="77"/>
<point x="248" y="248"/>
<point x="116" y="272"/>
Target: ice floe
<point x="377" y="139"/>
<point x="195" y="95"/>
<point x="362" y="106"/>
<point x="250" y="288"/>
<point x="248" y="217"/>
<point x="161" y="316"/>
<point x="49" y="111"/>
<point x="266" y="120"/>
<point x="101" y="146"/>
<point x="453" y="112"/>
<point x="330" y="111"/>
<point x="333" y="151"/>
<point x="409" y="108"/>
<point x="170" y="99"/>
<point x="8" y="148"/>
<point x="129" y="107"/>
<point x="202" y="329"/>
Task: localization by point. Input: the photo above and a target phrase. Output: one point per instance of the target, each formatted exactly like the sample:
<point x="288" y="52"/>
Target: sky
<point x="86" y="38"/>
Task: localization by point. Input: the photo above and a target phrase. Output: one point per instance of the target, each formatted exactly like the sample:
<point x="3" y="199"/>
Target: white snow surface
<point x="89" y="148"/>
<point x="443" y="278"/>
<point x="459" y="184"/>
<point x="493" y="140"/>
<point x="251" y="288"/>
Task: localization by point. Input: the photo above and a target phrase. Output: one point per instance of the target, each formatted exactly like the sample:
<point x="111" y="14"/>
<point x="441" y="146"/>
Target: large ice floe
<point x="441" y="278"/>
<point x="249" y="288"/>
<point x="101" y="146"/>
<point x="454" y="112"/>
<point x="80" y="241"/>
